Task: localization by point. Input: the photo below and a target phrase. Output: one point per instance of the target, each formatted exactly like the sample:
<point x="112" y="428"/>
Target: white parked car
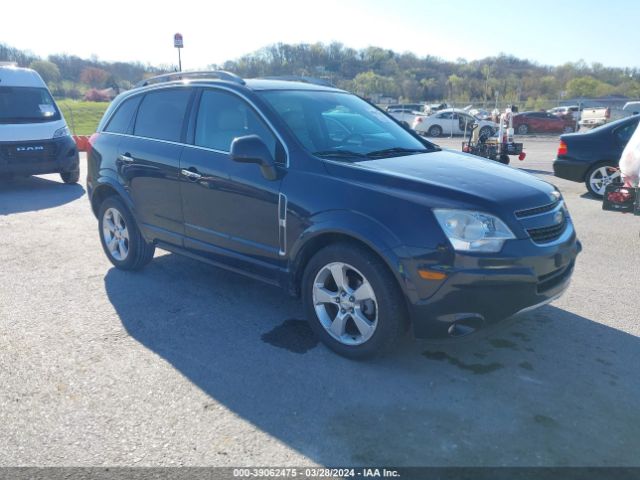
<point x="451" y="121"/>
<point x="405" y="113"/>
<point x="573" y="110"/>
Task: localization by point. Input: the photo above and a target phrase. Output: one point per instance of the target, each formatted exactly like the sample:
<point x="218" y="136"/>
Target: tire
<point x="488" y="131"/>
<point x="381" y="311"/>
<point x="599" y="176"/>
<point x="522" y="129"/>
<point x="132" y="251"/>
<point x="504" y="159"/>
<point x="70" y="178"/>
<point x="435" y="131"/>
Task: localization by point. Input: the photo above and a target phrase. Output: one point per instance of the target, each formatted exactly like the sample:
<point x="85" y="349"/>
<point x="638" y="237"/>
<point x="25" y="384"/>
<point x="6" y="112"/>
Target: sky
<point x="548" y="32"/>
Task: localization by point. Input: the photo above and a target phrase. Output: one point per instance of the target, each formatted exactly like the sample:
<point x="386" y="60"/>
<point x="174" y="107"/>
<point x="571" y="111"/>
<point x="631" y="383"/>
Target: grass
<point x="82" y="117"/>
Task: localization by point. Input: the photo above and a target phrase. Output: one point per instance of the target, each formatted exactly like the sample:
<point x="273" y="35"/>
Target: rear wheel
<point x="486" y="131"/>
<point x="435" y="131"/>
<point x="70" y="177"/>
<point x="504" y="159"/>
<point x="121" y="239"/>
<point x="352" y="301"/>
<point x="599" y="176"/>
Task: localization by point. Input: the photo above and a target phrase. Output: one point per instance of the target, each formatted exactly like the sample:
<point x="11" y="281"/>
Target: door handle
<point x="190" y="175"/>
<point x="125" y="158"/>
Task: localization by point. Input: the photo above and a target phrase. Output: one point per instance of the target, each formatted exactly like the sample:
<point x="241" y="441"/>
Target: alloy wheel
<point x="601" y="177"/>
<point x="345" y="303"/>
<point x="115" y="234"/>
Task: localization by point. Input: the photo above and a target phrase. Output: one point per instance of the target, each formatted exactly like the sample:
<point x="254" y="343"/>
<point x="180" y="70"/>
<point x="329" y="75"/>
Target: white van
<point x="34" y="137"/>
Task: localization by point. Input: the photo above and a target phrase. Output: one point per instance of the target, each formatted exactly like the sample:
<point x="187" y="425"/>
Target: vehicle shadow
<point x="35" y="193"/>
<point x="549" y="388"/>
<point x="588" y="196"/>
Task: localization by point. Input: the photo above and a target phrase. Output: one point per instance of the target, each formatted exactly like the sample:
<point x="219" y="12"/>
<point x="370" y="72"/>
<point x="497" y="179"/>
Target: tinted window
<point x="121" y="120"/>
<point x="624" y="133"/>
<point x="447" y="115"/>
<point x="161" y="114"/>
<point x="27" y="105"/>
<point x="222" y="117"/>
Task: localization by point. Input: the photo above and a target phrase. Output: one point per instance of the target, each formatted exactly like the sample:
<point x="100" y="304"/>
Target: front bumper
<point x="39" y="157"/>
<point x="485" y="289"/>
<point x="574" y="170"/>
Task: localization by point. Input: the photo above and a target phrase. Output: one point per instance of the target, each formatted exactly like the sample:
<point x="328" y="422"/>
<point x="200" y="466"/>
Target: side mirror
<point x="251" y="149"/>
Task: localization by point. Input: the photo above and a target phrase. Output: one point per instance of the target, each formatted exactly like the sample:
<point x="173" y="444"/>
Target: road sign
<point x="177" y="40"/>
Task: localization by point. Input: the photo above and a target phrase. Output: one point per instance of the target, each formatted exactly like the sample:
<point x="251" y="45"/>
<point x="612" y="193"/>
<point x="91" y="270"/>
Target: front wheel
<point x="71" y="177"/>
<point x="352" y="301"/>
<point x="599" y="176"/>
<point x="522" y="129"/>
<point x="121" y="239"/>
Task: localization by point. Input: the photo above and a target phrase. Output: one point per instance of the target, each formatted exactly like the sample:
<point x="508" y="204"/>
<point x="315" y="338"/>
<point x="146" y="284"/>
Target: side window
<point x="121" y="119"/>
<point x="161" y="114"/>
<point x="624" y="133"/>
<point x="222" y="117"/>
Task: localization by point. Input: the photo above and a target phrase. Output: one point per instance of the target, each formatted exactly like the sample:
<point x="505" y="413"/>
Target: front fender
<point x="349" y="225"/>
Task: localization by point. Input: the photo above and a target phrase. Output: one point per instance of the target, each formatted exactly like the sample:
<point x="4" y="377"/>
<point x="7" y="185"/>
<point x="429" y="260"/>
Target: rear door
<point x="230" y="209"/>
<point x="149" y="161"/>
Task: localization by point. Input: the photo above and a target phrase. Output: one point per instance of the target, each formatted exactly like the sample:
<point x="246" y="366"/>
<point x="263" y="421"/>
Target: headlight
<point x="62" y="132"/>
<point x="470" y="231"/>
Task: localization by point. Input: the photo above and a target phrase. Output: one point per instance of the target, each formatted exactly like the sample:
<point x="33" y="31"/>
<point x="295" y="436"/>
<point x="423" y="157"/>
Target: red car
<point x="541" y="122"/>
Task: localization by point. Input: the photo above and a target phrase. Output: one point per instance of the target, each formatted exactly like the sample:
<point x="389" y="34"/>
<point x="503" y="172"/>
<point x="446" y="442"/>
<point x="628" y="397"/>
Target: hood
<point x="451" y="179"/>
<point x="24" y="132"/>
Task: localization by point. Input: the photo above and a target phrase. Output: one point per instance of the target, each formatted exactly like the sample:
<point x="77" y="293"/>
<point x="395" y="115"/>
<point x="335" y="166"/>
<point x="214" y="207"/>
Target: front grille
<point x="43" y="152"/>
<point x="555" y="278"/>
<point x="548" y="234"/>
<point x="529" y="212"/>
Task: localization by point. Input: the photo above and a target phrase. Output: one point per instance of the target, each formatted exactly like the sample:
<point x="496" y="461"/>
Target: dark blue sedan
<point x="593" y="157"/>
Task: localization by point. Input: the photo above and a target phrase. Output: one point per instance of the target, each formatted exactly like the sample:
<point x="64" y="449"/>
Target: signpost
<point x="177" y="43"/>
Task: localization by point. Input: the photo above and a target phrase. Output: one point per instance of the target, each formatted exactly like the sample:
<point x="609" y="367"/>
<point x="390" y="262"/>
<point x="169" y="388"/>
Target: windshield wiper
<point x="397" y="150"/>
<point x="339" y="154"/>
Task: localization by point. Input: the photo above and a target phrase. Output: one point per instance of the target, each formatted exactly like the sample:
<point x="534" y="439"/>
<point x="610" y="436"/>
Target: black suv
<point x="313" y="189"/>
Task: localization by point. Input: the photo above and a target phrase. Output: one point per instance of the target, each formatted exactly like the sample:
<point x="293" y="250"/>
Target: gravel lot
<point x="184" y="364"/>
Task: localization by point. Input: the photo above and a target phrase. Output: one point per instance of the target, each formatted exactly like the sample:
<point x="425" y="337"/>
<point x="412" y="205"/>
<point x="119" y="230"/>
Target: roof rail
<point x="173" y="76"/>
<point x="303" y="79"/>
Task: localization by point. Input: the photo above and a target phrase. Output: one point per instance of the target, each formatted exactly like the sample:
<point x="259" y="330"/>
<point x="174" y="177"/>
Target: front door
<point x="230" y="210"/>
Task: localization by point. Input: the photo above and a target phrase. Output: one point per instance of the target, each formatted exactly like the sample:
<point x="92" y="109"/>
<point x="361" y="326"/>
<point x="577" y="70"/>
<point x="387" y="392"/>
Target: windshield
<point x="27" y="105"/>
<point x="341" y="125"/>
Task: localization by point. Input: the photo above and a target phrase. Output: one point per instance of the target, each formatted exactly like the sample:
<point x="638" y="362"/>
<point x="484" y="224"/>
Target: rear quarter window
<point x="121" y="120"/>
<point x="161" y="114"/>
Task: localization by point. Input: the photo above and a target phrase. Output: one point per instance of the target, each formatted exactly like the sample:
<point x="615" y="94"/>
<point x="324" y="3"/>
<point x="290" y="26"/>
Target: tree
<point x="370" y="83"/>
<point x="587" y="86"/>
<point x="49" y="71"/>
<point x="94" y="77"/>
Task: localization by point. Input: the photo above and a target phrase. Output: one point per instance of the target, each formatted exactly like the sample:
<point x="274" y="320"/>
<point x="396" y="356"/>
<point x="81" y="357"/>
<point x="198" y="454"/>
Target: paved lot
<point x="183" y="364"/>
